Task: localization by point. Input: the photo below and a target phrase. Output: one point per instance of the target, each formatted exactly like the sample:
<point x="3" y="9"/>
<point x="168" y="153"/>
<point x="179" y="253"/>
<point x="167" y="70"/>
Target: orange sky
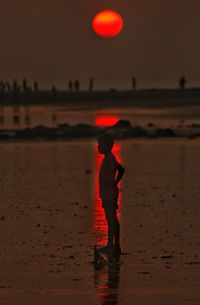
<point x="52" y="41"/>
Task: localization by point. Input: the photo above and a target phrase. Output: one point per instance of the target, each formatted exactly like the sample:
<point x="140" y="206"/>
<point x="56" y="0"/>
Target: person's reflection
<point x="1" y="116"/>
<point x="182" y="169"/>
<point x="16" y="116"/>
<point x="107" y="280"/>
<point x="54" y="119"/>
<point x="27" y="116"/>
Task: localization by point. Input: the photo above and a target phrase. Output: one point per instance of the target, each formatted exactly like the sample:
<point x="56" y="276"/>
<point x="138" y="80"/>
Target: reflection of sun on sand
<point x="46" y="224"/>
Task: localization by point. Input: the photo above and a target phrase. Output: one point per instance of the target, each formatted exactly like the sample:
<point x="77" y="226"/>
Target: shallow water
<point x="50" y="116"/>
<point x="50" y="219"/>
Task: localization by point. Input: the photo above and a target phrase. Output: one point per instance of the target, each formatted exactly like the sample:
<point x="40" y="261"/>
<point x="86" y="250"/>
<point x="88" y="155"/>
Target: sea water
<point x="20" y="117"/>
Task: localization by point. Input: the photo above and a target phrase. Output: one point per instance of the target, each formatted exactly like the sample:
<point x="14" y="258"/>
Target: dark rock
<point x="195" y="125"/>
<point x="63" y="126"/>
<point x="123" y="124"/>
<point x="135" y="132"/>
<point x="150" y="125"/>
<point x="4" y="136"/>
<point x="84" y="126"/>
<point x="36" y="132"/>
<point x="167" y="257"/>
<point x="82" y="130"/>
<point x="164" y="132"/>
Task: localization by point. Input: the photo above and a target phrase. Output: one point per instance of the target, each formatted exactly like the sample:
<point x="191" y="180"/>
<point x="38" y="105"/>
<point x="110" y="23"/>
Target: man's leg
<point x="117" y="232"/>
<point x="110" y="208"/>
<point x="108" y="214"/>
<point x="117" y="238"/>
<point x="116" y="224"/>
<point x="113" y="227"/>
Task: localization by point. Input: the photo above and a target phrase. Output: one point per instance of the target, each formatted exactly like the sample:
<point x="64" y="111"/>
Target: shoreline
<point x="123" y="129"/>
<point x="149" y="141"/>
<point x="127" y="98"/>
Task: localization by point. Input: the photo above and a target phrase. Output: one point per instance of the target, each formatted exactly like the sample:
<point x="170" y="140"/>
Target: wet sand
<point x="48" y="223"/>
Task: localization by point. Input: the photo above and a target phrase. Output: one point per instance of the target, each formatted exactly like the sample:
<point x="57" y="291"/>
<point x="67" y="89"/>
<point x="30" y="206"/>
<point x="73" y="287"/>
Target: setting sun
<point x="107" y="24"/>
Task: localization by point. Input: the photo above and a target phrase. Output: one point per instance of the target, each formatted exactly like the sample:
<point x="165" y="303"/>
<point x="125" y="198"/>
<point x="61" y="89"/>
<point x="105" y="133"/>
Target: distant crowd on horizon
<point x="14" y="87"/>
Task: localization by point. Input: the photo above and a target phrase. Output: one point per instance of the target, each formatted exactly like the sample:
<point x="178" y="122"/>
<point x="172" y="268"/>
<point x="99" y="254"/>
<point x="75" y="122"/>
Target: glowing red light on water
<point x="106" y="120"/>
<point x="107" y="24"/>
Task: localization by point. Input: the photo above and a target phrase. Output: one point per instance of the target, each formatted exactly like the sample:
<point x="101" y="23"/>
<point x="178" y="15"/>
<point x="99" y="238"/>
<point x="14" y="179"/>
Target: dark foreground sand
<point x="48" y="221"/>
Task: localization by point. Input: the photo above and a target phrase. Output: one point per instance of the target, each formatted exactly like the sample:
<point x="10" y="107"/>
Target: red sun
<point x="107" y="24"/>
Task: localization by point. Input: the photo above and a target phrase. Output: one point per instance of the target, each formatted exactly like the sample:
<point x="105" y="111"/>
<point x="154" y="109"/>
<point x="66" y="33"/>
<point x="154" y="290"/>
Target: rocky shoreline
<point x="121" y="130"/>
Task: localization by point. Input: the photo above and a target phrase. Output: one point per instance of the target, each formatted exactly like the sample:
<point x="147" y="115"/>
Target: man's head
<point x="105" y="143"/>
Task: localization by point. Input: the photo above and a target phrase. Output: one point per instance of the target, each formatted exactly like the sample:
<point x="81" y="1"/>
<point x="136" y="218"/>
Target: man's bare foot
<point x="117" y="249"/>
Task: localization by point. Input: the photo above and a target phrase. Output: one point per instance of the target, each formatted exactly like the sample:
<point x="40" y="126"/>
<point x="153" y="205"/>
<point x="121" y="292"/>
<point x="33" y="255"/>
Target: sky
<point x="52" y="41"/>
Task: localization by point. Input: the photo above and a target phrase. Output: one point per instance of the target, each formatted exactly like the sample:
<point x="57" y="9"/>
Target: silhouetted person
<point x="182" y="82"/>
<point x="77" y="85"/>
<point x="15" y="86"/>
<point x="1" y="119"/>
<point x="134" y="83"/>
<point x="1" y="115"/>
<point x="70" y="85"/>
<point x="16" y="117"/>
<point x="8" y="87"/>
<point x="24" y="85"/>
<point x="54" y="92"/>
<point x="15" y="91"/>
<point x="2" y="89"/>
<point x="54" y="118"/>
<point x="27" y="119"/>
<point x="35" y="86"/>
<point x="109" y="192"/>
<point x="91" y="84"/>
<point x="2" y="86"/>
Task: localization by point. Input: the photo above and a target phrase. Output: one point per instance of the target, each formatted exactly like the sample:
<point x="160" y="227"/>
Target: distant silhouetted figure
<point x="24" y="85"/>
<point x="15" y="91"/>
<point x="54" y="118"/>
<point x="16" y="119"/>
<point x="35" y="86"/>
<point x="77" y="85"/>
<point x="70" y="85"/>
<point x="134" y="83"/>
<point x="1" y="119"/>
<point x="27" y="119"/>
<point x="54" y="92"/>
<point x="2" y="86"/>
<point x="16" y="116"/>
<point x="109" y="192"/>
<point x="182" y="82"/>
<point x="91" y="84"/>
<point x="2" y="89"/>
<point x="15" y="86"/>
<point x="8" y="87"/>
<point x="2" y="116"/>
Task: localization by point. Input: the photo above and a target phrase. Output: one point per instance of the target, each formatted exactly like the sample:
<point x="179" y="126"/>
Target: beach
<point x="50" y="222"/>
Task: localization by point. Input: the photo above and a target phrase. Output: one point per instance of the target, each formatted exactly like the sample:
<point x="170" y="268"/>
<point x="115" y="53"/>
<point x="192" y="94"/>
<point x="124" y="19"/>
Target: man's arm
<point x="120" y="173"/>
